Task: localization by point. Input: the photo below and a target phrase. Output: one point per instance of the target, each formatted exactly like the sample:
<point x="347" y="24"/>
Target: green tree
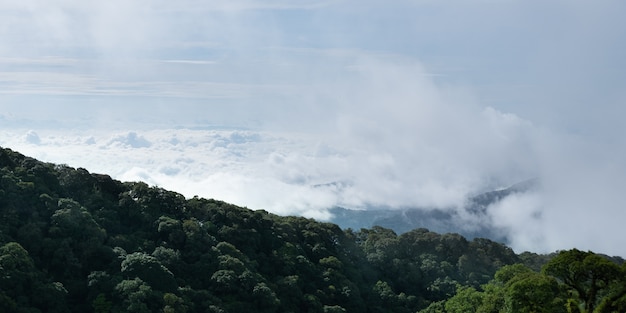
<point x="174" y="304"/>
<point x="16" y="273"/>
<point x="136" y="296"/>
<point x="435" y="307"/>
<point x="76" y="230"/>
<point x="594" y="281"/>
<point x="148" y="269"/>
<point x="101" y="305"/>
<point x="534" y="293"/>
<point x="265" y="299"/>
<point x="466" y="300"/>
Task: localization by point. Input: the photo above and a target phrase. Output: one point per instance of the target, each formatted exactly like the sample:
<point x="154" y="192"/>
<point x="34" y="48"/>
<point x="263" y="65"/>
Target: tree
<point x="534" y="293"/>
<point x="435" y="307"/>
<point x="171" y="231"/>
<point x="16" y="271"/>
<point x="74" y="224"/>
<point x="466" y="300"/>
<point x="150" y="270"/>
<point x="101" y="305"/>
<point x="265" y="299"/>
<point x="174" y="304"/>
<point x="592" y="279"/>
<point x="136" y="296"/>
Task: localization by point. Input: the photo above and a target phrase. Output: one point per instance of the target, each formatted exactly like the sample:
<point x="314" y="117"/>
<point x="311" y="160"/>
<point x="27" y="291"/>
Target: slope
<point x="74" y="241"/>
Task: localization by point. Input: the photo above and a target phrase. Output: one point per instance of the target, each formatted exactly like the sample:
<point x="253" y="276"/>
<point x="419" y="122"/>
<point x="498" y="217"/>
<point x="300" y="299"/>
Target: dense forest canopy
<point x="74" y="241"/>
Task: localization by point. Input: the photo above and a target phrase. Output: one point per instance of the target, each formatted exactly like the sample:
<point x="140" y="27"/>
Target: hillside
<point x="74" y="241"/>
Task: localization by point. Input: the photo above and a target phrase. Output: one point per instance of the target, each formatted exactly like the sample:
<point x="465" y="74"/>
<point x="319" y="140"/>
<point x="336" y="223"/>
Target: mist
<point x="298" y="108"/>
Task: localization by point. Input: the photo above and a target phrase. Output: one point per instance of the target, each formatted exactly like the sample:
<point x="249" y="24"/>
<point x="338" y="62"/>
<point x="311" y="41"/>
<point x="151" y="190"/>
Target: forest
<point x="75" y="241"/>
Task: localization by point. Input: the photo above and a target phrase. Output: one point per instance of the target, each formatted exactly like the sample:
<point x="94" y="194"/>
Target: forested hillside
<point x="73" y="241"/>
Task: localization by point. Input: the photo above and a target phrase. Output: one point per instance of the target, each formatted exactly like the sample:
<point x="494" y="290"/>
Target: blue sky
<point x="410" y="103"/>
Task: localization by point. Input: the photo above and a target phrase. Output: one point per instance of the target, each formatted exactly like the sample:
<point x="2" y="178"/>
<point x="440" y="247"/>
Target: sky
<point x="296" y="107"/>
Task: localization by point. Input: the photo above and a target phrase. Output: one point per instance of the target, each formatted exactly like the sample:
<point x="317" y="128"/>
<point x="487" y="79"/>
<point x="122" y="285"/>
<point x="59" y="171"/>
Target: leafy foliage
<point x="596" y="283"/>
<point x="73" y="241"/>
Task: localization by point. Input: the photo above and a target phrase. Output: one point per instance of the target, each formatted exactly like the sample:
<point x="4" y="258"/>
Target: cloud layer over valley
<point x="434" y="159"/>
<point x="298" y="108"/>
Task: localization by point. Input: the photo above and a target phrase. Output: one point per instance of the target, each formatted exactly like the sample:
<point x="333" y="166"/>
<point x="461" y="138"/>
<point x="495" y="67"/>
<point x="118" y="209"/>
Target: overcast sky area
<point x="299" y="106"/>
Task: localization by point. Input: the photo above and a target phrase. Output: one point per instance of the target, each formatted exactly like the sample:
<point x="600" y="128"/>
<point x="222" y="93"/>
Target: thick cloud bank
<point x="382" y="144"/>
<point x="299" y="107"/>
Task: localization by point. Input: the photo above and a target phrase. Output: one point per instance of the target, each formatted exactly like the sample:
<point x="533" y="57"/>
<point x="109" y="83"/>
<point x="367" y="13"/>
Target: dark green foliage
<point x="596" y="283"/>
<point x="23" y="288"/>
<point x="534" y="293"/>
<point x="572" y="281"/>
<point x="73" y="241"/>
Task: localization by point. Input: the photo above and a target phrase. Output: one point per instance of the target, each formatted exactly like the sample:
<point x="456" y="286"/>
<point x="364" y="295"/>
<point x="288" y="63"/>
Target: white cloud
<point x="129" y="140"/>
<point x="379" y="143"/>
<point x="416" y="103"/>
<point x="436" y="154"/>
<point x="522" y="217"/>
<point x="32" y="138"/>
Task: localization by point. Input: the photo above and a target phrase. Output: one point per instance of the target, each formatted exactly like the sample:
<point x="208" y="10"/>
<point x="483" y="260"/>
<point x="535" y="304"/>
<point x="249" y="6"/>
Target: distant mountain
<point x="437" y="220"/>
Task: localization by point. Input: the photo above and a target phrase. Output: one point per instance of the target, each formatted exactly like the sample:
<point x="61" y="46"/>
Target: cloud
<point x="417" y="144"/>
<point x="376" y="144"/>
<point x="297" y="107"/>
<point x="578" y="204"/>
<point x="130" y="140"/>
<point x="32" y="138"/>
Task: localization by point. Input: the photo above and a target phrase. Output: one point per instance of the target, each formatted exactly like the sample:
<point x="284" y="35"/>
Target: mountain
<point x="75" y="241"/>
<point x="438" y="220"/>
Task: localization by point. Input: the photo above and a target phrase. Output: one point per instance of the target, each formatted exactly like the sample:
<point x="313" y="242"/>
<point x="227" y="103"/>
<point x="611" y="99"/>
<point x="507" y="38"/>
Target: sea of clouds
<point x="323" y="104"/>
<point x="579" y="203"/>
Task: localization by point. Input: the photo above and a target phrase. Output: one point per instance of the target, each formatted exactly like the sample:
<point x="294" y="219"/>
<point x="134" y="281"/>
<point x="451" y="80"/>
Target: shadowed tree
<point x="150" y="270"/>
<point x="136" y="296"/>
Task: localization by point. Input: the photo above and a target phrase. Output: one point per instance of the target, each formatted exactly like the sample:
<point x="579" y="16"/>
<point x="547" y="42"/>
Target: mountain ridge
<point x="436" y="219"/>
<point x="74" y="241"/>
